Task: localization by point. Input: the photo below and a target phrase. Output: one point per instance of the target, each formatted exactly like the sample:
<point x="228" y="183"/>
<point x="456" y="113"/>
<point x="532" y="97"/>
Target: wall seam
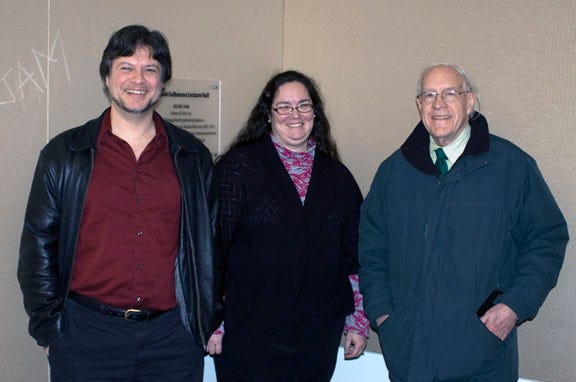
<point x="283" y="33"/>
<point x="48" y="74"/>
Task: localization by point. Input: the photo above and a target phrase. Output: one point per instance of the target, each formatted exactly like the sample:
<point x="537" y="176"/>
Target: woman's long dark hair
<point x="258" y="123"/>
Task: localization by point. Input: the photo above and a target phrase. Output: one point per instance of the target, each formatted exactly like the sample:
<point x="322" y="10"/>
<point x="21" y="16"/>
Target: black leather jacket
<point x="52" y="222"/>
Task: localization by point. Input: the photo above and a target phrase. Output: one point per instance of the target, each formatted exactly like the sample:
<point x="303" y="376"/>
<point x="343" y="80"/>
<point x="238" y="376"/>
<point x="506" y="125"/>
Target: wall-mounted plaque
<point x="194" y="105"/>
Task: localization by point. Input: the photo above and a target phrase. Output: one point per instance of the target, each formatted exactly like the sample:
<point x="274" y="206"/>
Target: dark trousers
<point x="95" y="347"/>
<point x="299" y="352"/>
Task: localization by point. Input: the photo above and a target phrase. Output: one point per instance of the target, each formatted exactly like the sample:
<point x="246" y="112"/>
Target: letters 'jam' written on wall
<point x="194" y="105"/>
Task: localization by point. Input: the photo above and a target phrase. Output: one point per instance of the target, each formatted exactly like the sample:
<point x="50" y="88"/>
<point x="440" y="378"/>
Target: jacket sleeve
<point x="38" y="262"/>
<point x="540" y="235"/>
<point x="217" y="255"/>
<point x="373" y="250"/>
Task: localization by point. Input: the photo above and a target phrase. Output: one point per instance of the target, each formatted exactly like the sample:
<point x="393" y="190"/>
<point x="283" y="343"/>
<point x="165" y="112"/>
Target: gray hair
<point x="467" y="83"/>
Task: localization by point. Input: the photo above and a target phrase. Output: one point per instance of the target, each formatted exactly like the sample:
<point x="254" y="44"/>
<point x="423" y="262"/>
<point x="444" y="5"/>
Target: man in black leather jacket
<point x="118" y="264"/>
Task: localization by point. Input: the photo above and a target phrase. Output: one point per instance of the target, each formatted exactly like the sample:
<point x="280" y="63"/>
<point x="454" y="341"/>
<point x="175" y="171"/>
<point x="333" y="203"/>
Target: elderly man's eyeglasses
<point x="287" y="109"/>
<point x="448" y="96"/>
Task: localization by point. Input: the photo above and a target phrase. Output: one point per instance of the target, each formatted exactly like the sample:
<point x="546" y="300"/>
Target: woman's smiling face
<point x="292" y="130"/>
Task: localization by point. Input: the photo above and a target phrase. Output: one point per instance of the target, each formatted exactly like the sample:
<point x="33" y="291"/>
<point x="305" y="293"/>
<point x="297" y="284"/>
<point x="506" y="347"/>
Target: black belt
<point x="127" y="314"/>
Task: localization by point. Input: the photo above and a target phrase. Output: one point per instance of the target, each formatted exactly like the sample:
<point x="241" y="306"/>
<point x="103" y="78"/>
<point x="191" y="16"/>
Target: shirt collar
<point x="160" y="139"/>
<point x="454" y="149"/>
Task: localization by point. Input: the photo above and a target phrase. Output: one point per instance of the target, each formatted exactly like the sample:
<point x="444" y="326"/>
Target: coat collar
<point x="277" y="174"/>
<point x="416" y="148"/>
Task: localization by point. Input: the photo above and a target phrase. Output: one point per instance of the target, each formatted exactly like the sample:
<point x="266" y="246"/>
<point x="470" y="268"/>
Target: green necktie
<point x="441" y="161"/>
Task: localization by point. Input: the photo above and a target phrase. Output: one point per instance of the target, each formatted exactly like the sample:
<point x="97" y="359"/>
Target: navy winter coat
<point x="432" y="248"/>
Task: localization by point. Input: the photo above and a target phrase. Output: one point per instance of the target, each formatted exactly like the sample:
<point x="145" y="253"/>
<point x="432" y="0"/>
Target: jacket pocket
<point x="396" y="337"/>
<point x="465" y="345"/>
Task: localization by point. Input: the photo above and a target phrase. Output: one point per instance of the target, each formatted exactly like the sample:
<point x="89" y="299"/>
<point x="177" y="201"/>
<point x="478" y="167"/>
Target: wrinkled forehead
<point x="441" y="77"/>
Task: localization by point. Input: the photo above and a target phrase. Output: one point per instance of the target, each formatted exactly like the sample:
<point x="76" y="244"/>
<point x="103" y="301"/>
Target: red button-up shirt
<point x="129" y="232"/>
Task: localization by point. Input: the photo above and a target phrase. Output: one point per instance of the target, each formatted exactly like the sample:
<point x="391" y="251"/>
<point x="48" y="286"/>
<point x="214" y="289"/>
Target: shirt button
<point x="139" y="267"/>
<point x="139" y="233"/>
<point x="138" y="298"/>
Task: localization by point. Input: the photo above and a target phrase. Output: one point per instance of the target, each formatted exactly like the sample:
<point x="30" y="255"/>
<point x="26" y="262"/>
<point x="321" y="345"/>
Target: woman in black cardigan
<point x="289" y="221"/>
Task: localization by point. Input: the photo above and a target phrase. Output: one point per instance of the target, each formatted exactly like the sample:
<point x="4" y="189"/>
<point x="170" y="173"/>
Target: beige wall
<point x="239" y="43"/>
<point x="365" y="54"/>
